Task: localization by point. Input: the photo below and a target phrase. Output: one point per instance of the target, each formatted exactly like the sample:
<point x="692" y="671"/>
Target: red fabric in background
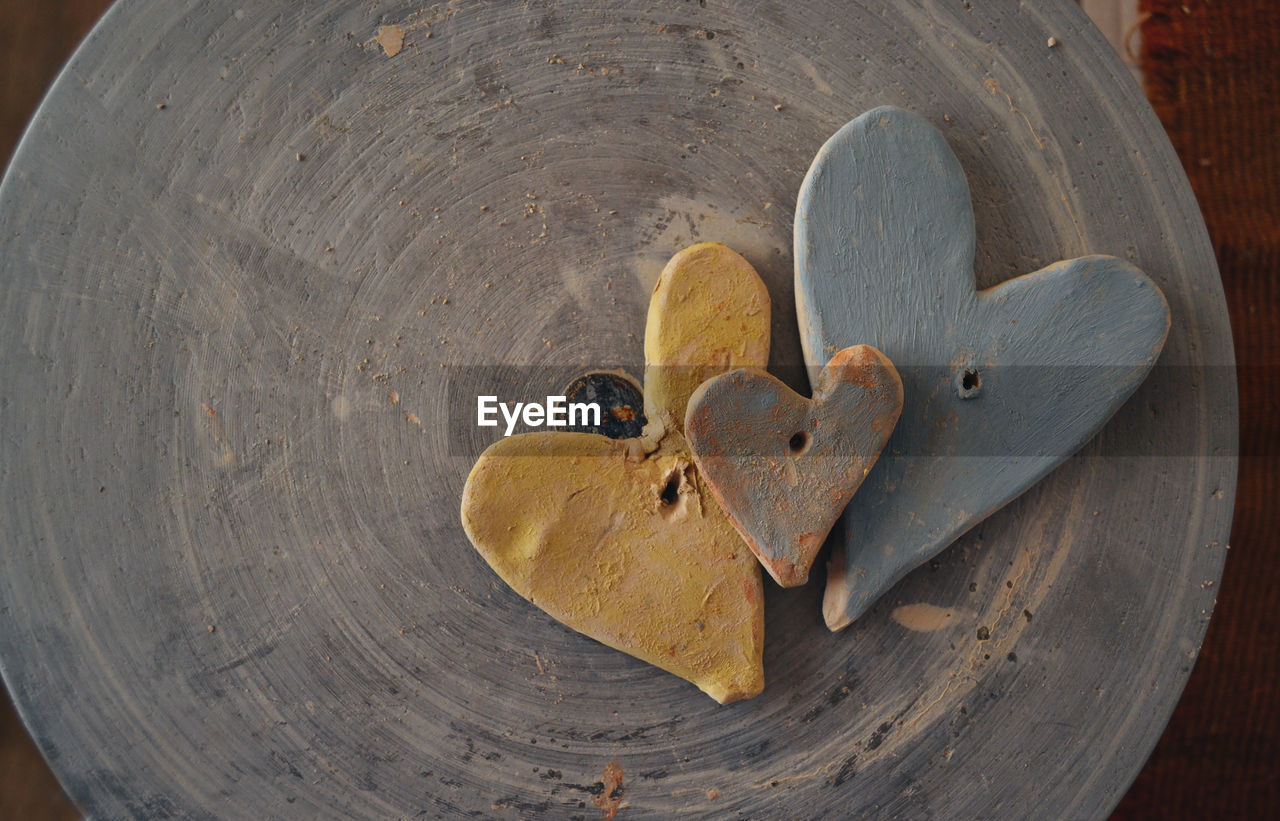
<point x="1212" y="71"/>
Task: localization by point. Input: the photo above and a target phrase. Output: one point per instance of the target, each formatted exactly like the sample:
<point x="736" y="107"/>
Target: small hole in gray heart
<point x="969" y="384"/>
<point x="799" y="442"/>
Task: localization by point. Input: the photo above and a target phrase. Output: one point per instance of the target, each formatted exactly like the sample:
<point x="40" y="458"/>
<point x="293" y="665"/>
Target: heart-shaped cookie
<point x="784" y="467"/>
<point x="621" y="539"/>
<point x="999" y="385"/>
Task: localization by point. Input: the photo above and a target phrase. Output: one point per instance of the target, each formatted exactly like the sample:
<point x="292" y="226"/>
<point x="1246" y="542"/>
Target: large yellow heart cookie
<point x="621" y="539"/>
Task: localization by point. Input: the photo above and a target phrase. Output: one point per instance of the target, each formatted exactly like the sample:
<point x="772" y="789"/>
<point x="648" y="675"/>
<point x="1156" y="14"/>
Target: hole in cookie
<point x="673" y="495"/>
<point x="969" y="384"/>
<point x="799" y="442"/>
<point x="671" y="490"/>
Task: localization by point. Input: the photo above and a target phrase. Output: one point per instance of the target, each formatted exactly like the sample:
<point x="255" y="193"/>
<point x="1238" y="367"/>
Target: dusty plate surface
<point x="241" y="336"/>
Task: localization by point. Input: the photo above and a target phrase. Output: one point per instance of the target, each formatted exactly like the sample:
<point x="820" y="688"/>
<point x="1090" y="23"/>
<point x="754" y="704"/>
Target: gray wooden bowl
<point x="253" y="268"/>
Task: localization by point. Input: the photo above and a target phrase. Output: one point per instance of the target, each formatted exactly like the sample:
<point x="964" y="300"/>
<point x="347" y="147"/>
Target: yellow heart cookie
<point x="621" y="539"/>
<point x="709" y="314"/>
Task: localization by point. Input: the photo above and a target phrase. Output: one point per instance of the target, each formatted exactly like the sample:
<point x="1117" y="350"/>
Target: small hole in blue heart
<point x="799" y="443"/>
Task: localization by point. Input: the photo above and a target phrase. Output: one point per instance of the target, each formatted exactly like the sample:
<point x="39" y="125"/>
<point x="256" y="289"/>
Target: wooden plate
<point x="255" y="270"/>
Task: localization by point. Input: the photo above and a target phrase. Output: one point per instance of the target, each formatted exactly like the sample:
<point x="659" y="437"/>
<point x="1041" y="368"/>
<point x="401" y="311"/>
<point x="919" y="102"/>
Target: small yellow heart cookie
<point x="621" y="539"/>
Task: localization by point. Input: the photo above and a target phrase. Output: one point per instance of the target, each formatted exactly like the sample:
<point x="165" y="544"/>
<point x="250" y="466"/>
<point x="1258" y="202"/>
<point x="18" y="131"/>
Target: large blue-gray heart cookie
<point x="999" y="386"/>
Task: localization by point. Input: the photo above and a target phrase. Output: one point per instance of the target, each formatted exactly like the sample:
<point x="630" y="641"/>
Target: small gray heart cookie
<point x="783" y="467"/>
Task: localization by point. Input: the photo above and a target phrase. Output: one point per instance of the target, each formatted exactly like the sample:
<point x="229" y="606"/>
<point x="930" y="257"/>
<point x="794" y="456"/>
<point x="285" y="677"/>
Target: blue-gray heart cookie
<point x="1000" y="385"/>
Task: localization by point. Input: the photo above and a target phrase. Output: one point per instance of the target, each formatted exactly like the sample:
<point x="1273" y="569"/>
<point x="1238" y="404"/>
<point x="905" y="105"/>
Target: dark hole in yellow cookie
<point x="671" y="490"/>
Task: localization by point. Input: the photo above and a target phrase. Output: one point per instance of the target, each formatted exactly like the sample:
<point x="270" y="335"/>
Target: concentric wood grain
<point x="238" y="340"/>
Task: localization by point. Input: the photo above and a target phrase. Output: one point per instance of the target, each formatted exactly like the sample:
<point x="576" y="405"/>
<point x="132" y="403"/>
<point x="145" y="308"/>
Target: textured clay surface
<point x="366" y="661"/>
